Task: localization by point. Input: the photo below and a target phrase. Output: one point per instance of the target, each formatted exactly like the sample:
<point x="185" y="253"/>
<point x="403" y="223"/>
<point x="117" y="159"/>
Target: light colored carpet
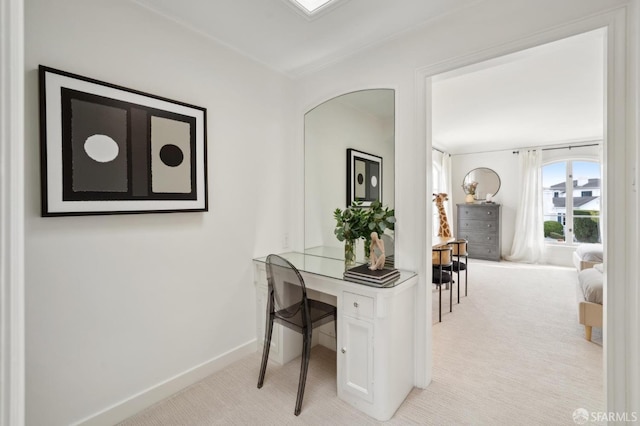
<point x="512" y="352"/>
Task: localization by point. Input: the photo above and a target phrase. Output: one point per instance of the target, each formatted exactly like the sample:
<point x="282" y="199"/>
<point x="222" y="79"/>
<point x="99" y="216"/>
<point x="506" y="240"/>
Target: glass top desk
<point x="375" y="356"/>
<point x="330" y="267"/>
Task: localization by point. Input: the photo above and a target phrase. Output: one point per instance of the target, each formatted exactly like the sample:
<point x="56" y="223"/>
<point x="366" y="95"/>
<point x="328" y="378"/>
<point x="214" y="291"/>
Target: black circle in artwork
<point x="171" y="155"/>
<point x="360" y="178"/>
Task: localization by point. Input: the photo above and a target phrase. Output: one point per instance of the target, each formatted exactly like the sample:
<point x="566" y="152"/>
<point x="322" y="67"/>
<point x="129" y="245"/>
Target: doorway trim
<point x="12" y="327"/>
<point x="620" y="248"/>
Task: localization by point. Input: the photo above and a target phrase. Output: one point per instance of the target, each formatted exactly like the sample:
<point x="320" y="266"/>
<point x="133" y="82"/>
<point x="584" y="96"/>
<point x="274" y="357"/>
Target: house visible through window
<point x="571" y="201"/>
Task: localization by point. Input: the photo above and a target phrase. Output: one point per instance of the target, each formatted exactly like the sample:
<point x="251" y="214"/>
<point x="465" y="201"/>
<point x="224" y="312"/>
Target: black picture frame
<point x="364" y="177"/>
<point x="107" y="149"/>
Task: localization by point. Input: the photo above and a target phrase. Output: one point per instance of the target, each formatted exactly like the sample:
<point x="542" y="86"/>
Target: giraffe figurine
<point x="443" y="231"/>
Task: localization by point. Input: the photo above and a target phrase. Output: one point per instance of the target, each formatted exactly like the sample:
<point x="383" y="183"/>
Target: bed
<point x="587" y="255"/>
<point x="590" y="298"/>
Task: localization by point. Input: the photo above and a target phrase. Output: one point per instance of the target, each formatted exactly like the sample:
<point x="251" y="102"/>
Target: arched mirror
<point x="363" y="122"/>
<point x="480" y="182"/>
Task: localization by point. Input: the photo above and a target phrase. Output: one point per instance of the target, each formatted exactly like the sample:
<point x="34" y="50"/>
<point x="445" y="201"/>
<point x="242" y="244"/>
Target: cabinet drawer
<point x="482" y="226"/>
<point x="490" y="238"/>
<point x="479" y="212"/>
<point x="357" y="305"/>
<point x="483" y="251"/>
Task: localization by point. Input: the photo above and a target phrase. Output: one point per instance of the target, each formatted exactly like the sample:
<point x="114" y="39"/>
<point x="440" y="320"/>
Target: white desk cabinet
<point x="375" y="350"/>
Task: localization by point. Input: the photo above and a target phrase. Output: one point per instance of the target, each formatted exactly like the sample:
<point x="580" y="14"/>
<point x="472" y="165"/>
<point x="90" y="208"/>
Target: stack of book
<point x="363" y="275"/>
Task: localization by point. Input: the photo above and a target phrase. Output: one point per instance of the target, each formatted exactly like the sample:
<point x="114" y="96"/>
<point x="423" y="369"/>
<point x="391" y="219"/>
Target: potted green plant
<point x="350" y="224"/>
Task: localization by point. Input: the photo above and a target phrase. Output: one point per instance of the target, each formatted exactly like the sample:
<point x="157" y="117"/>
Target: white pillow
<point x="590" y="252"/>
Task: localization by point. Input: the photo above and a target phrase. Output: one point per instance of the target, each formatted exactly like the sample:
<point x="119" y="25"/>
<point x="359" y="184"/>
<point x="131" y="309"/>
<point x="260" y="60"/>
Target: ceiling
<point x="547" y="95"/>
<point x="277" y="34"/>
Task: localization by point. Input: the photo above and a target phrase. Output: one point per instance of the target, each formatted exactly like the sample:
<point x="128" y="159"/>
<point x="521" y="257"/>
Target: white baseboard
<point x="136" y="403"/>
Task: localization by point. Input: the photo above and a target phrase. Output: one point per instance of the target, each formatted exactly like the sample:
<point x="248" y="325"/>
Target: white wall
<point x="505" y="164"/>
<point x="491" y="27"/>
<point x="396" y="63"/>
<point x="118" y="304"/>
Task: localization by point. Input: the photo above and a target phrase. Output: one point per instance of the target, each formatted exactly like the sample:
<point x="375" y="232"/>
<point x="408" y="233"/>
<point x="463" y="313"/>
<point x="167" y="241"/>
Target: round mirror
<point x="480" y="182"/>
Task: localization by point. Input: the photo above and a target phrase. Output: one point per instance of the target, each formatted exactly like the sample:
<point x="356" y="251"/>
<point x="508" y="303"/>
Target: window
<point x="312" y="9"/>
<point x="571" y="201"/>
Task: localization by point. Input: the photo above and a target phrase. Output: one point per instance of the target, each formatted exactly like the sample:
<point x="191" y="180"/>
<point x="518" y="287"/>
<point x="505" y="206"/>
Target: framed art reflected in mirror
<point x="364" y="177"/>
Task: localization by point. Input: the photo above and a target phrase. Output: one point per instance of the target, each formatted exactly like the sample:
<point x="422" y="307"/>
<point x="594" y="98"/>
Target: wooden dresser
<point x="480" y="225"/>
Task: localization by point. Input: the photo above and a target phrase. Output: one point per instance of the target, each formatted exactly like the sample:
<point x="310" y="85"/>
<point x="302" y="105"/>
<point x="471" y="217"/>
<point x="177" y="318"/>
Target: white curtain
<point x="447" y="188"/>
<point x="528" y="241"/>
<point x="442" y="183"/>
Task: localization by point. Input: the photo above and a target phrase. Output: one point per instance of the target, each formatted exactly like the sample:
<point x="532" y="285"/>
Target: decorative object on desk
<point x="364" y="177"/>
<point x="377" y="219"/>
<point x="444" y="230"/>
<point x="489" y="198"/>
<point x="349" y="227"/>
<point x="364" y="275"/>
<point x="469" y="199"/>
<point x="106" y="149"/>
<point x="376" y="261"/>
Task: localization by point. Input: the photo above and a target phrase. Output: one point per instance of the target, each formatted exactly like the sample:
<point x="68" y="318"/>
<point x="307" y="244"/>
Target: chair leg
<point x="451" y="291"/>
<point x="265" y="351"/>
<point x="458" y="272"/>
<point x="466" y="273"/>
<point x="587" y="332"/>
<point x="306" y="354"/>
<point x="440" y="297"/>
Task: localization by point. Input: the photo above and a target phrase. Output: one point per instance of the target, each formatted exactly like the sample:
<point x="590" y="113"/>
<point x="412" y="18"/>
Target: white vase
<point x="469" y="199"/>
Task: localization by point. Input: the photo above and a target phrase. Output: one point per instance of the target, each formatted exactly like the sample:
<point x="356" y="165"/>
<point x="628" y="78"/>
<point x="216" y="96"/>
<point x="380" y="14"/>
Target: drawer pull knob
<point x="488" y="225"/>
<point x="488" y="212"/>
<point x="344" y="350"/>
<point x="355" y="304"/>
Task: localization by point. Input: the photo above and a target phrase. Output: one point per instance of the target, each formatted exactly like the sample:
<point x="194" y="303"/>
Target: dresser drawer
<point x="483" y="251"/>
<point x="357" y="305"/>
<point x="484" y="226"/>
<point x="480" y="237"/>
<point x="478" y="212"/>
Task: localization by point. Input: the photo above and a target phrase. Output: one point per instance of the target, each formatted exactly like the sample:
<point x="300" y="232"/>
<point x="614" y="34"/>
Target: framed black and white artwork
<point x="364" y="177"/>
<point x="106" y="149"/>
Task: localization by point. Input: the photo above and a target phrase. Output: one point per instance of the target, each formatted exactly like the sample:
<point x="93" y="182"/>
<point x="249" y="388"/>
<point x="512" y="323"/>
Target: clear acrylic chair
<point x="289" y="306"/>
<point x="442" y="260"/>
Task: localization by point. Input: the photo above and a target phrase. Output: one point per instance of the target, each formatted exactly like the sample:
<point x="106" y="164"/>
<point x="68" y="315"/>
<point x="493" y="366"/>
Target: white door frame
<point x="621" y="345"/>
<point x="12" y="396"/>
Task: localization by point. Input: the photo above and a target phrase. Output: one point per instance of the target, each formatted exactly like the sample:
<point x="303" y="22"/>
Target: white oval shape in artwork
<point x="374" y="181"/>
<point x="101" y="148"/>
